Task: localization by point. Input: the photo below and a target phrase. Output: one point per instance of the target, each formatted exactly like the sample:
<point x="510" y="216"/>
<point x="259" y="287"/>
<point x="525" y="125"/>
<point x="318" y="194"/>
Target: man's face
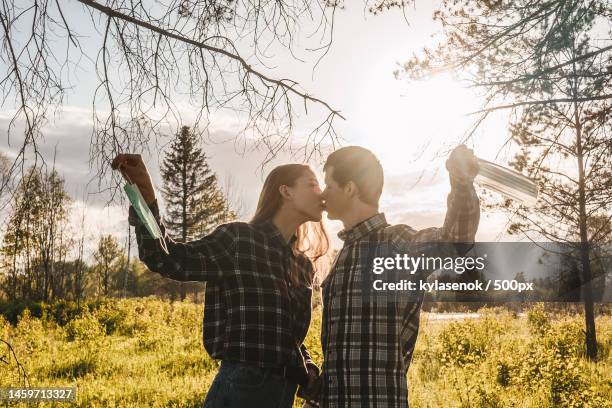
<point x="337" y="200"/>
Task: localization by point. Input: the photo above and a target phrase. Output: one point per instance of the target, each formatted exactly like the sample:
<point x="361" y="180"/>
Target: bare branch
<point x="544" y="102"/>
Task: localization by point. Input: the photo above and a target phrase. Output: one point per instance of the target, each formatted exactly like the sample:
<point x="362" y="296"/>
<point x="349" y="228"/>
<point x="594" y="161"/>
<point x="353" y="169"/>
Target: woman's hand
<point x="134" y="170"/>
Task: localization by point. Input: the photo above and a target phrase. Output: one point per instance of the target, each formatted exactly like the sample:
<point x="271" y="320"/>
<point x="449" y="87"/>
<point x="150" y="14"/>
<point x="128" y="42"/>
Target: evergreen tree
<point x="194" y="202"/>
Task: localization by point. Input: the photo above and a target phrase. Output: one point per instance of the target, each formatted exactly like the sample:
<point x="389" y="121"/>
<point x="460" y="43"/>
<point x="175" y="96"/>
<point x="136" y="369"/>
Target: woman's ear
<point x="284" y="192"/>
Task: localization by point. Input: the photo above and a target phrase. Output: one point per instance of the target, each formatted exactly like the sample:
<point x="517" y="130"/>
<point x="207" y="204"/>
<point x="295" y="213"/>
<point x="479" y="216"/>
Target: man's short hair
<point x="359" y="165"/>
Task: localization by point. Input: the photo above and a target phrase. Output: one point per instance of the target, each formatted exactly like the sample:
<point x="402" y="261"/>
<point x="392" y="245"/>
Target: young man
<point x="367" y="341"/>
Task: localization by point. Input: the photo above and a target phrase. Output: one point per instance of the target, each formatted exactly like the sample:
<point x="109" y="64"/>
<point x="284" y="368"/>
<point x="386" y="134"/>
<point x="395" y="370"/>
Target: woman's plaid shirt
<point x="253" y="312"/>
<point x="368" y="341"/>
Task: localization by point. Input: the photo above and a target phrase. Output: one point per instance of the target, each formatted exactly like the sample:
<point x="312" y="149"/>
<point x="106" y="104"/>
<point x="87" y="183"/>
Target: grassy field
<point x="147" y="352"/>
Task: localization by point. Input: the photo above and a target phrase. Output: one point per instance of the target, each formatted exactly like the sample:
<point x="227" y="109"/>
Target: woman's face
<point x="306" y="196"/>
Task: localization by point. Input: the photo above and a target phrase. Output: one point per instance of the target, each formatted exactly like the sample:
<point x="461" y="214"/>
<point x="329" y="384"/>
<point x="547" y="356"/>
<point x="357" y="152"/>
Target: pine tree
<point x="194" y="202"/>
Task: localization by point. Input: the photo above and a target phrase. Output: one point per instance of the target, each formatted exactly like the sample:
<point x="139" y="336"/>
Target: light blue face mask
<point x="144" y="213"/>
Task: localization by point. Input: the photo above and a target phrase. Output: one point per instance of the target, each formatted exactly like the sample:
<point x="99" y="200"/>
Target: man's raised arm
<point x="462" y="204"/>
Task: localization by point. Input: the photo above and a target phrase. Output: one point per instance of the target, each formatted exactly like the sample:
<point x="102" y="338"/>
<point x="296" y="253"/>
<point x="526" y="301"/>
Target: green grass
<point x="147" y="352"/>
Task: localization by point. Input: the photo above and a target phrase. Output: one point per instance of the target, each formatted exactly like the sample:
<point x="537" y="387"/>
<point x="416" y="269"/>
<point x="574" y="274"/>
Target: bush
<point x="503" y="374"/>
<point x="4" y="327"/>
<point x="12" y="311"/>
<point x="30" y="331"/>
<point x="85" y="327"/>
<point x="112" y="318"/>
<point x="538" y="319"/>
<point x="465" y="343"/>
<point x="147" y="352"/>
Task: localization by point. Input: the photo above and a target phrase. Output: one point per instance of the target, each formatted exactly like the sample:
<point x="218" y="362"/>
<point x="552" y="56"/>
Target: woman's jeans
<point x="239" y="385"/>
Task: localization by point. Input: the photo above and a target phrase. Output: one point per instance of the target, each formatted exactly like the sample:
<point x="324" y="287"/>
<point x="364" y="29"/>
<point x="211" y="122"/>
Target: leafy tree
<point x="549" y="63"/>
<point x="109" y="259"/>
<point x="34" y="242"/>
<point x="52" y="240"/>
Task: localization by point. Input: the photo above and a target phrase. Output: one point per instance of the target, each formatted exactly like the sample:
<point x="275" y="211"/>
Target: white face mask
<point x="144" y="213"/>
<point x="508" y="182"/>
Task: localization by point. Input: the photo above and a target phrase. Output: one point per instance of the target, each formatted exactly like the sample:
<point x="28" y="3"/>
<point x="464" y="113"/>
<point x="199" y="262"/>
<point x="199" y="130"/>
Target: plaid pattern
<point x="368" y="341"/>
<point x="253" y="312"/>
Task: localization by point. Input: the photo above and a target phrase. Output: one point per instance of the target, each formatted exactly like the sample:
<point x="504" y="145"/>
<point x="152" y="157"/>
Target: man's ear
<point x="284" y="192"/>
<point x="351" y="189"/>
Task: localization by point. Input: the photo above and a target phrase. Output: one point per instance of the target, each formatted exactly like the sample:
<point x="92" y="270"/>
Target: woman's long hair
<point x="312" y="239"/>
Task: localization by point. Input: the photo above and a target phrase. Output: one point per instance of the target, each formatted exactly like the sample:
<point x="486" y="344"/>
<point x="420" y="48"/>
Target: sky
<point x="407" y="125"/>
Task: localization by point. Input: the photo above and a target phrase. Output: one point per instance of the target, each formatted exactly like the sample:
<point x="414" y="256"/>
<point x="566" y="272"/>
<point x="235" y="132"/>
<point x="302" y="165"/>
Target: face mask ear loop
<point x="162" y="243"/>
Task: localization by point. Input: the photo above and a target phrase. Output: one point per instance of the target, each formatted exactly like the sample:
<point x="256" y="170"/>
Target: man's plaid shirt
<point x="368" y="341"/>
<point x="253" y="312"/>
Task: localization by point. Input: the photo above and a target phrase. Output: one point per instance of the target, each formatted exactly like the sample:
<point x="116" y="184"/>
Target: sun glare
<point x="403" y="119"/>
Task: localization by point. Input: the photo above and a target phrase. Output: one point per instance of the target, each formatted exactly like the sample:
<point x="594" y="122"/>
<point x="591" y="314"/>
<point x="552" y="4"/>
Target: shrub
<point x="30" y="331"/>
<point x="5" y="326"/>
<point x="503" y="374"/>
<point x="112" y="318"/>
<point x="467" y="342"/>
<point x="85" y="327"/>
<point x="538" y="319"/>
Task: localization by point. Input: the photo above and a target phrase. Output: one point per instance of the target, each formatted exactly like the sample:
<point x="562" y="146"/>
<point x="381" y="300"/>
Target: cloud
<point x="68" y="139"/>
<point x="93" y="222"/>
<point x="416" y="198"/>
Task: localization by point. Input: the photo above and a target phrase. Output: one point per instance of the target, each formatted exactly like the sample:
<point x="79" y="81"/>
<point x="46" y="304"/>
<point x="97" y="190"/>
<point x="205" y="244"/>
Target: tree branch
<point x="544" y="102"/>
<point x="281" y="83"/>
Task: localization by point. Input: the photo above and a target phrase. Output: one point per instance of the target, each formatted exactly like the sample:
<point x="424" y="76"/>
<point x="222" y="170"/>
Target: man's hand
<point x="462" y="165"/>
<point x="134" y="170"/>
<point x="312" y="389"/>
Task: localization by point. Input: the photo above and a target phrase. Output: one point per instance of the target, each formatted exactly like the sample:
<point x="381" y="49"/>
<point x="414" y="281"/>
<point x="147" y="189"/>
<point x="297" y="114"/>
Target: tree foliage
<point x="550" y="64"/>
<point x="109" y="263"/>
<point x="194" y="202"/>
<point x="34" y="246"/>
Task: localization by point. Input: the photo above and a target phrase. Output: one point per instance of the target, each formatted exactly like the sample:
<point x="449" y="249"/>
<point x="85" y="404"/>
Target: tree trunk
<point x="587" y="288"/>
<point x="13" y="283"/>
<point x="182" y="285"/>
<point x="127" y="264"/>
<point x="106" y="276"/>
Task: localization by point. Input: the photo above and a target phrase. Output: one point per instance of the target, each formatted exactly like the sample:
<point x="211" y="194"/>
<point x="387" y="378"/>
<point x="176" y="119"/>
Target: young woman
<point x="258" y="292"/>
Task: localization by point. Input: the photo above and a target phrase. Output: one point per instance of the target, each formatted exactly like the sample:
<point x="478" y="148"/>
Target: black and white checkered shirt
<point x="368" y="341"/>
<point x="253" y="312"/>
